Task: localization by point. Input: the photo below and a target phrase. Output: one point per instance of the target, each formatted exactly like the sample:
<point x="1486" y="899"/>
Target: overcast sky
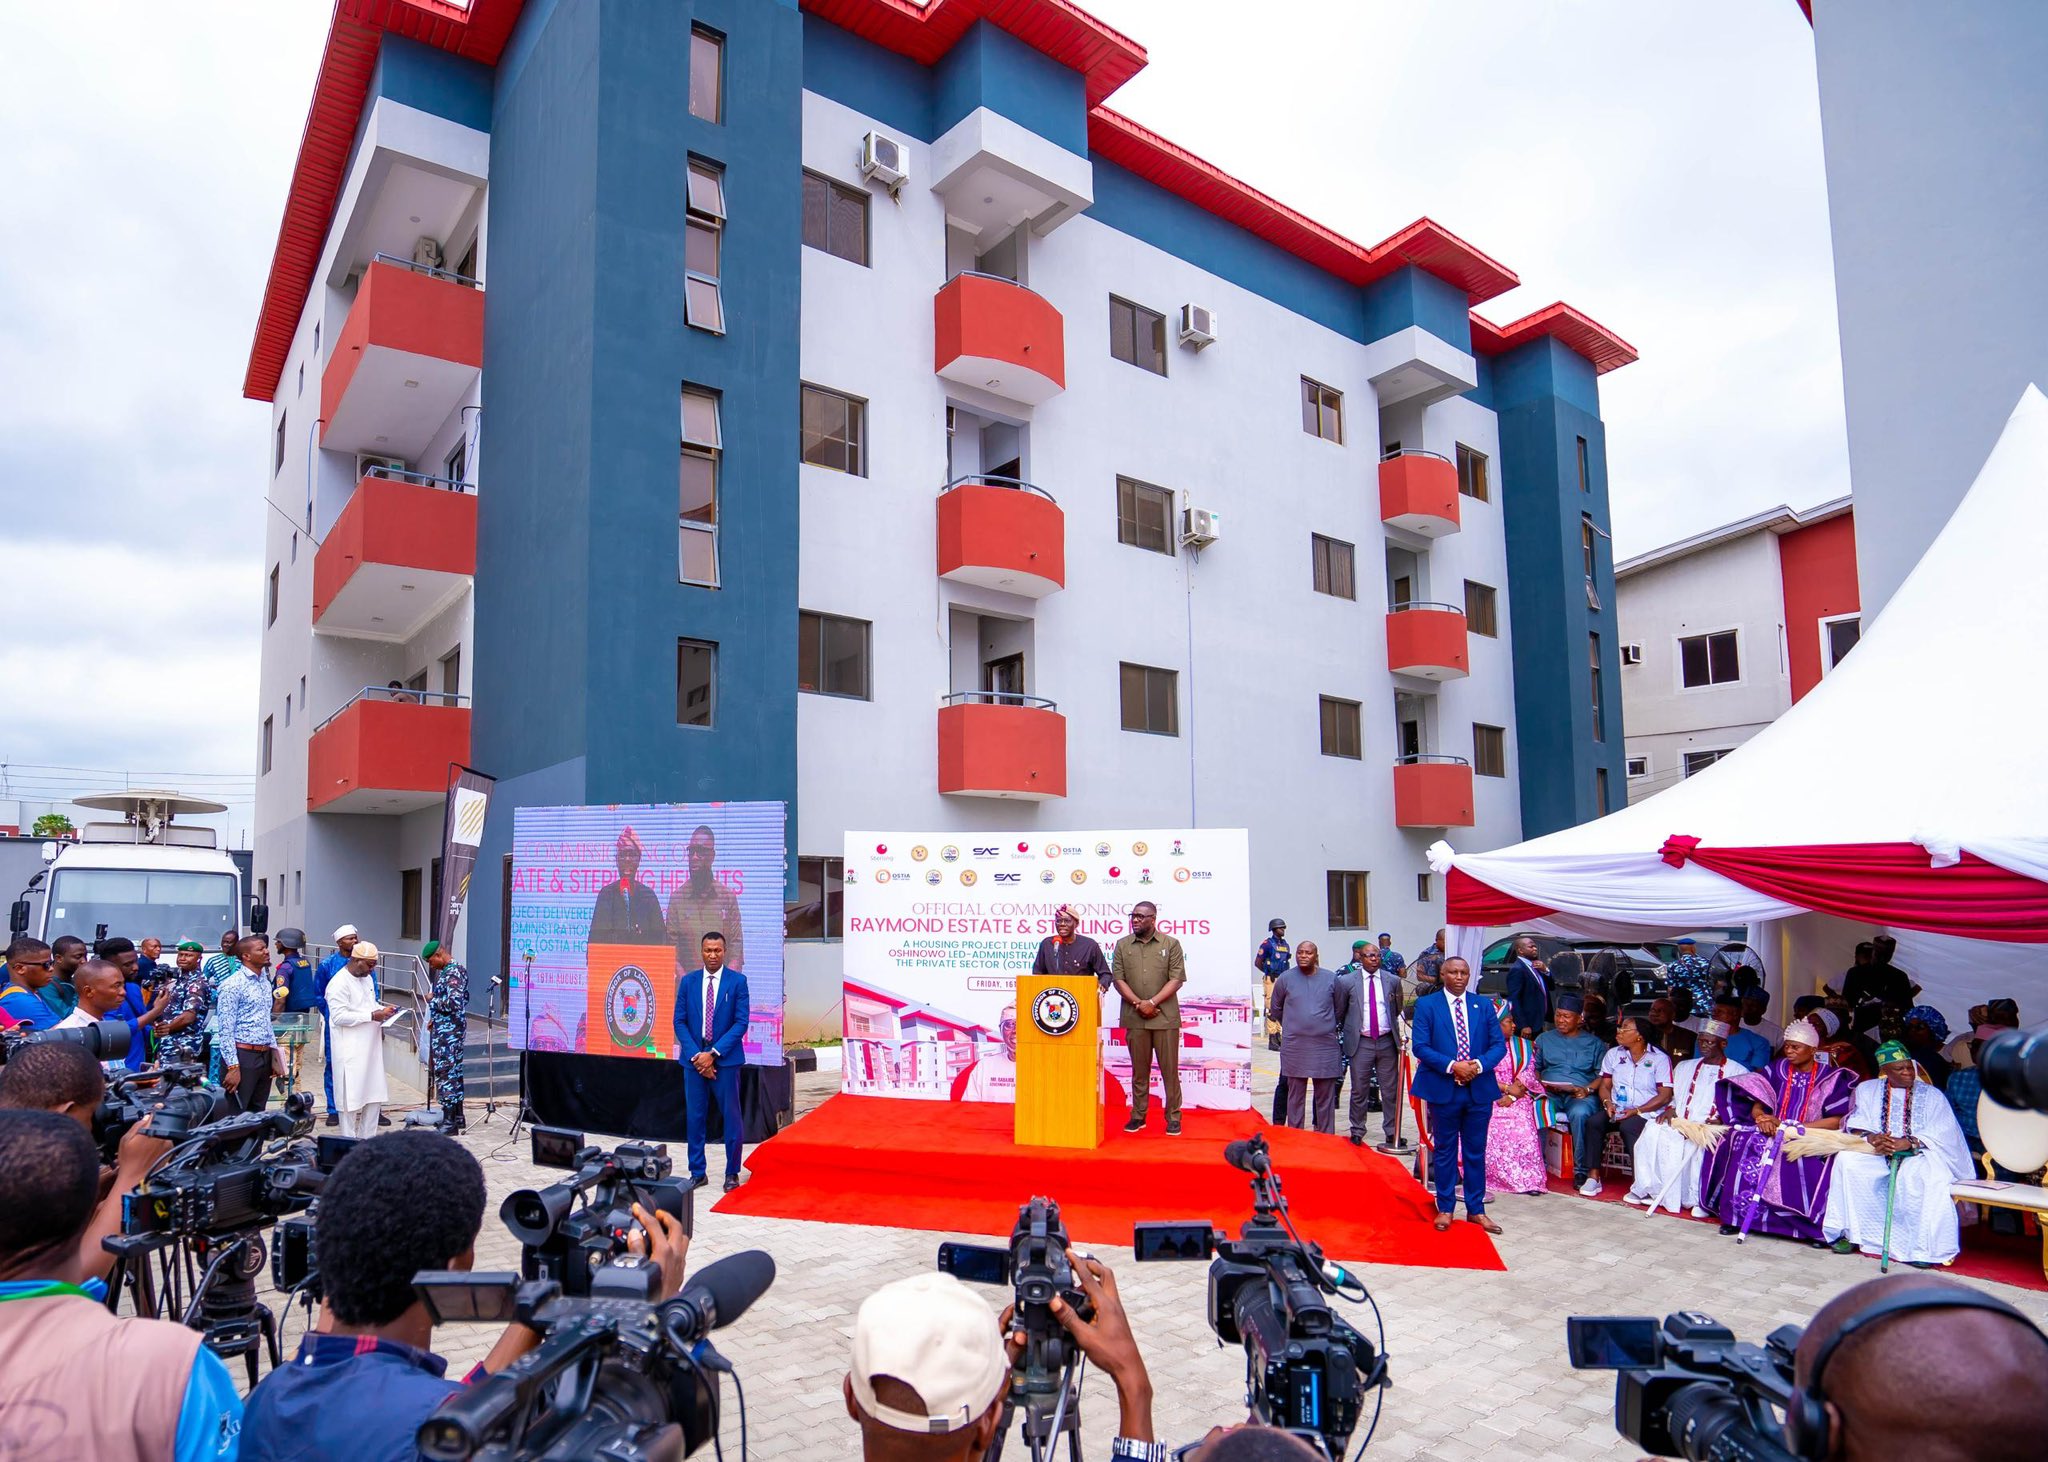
<point x="1657" y="165"/>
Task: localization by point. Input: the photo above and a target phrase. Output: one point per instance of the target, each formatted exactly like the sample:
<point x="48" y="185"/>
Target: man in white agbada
<point x="357" y="1023"/>
<point x="1668" y="1164"/>
<point x="1900" y="1112"/>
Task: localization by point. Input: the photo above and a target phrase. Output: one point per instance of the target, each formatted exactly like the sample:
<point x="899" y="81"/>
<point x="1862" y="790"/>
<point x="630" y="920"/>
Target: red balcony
<point x="1002" y="534"/>
<point x="1419" y="492"/>
<point x="999" y="337"/>
<point x="1002" y="746"/>
<point x="403" y="550"/>
<point x="1433" y="791"/>
<point x="1428" y="640"/>
<point x="405" y="357"/>
<point x="385" y="755"/>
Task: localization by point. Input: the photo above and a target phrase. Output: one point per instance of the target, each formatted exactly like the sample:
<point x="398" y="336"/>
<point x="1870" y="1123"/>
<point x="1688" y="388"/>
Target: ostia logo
<point x="629" y="1006"/>
<point x="1052" y="850"/>
<point x="1181" y="875"/>
<point x="883" y="875"/>
<point x="1055" y="1012"/>
<point x="967" y="877"/>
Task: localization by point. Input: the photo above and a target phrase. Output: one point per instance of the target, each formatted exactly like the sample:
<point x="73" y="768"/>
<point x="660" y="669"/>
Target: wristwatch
<point x="1123" y="1449"/>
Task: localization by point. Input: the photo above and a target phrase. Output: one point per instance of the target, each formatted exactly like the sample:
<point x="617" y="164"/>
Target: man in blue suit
<point x="1457" y="1042"/>
<point x="1528" y="990"/>
<point x="709" y="1038"/>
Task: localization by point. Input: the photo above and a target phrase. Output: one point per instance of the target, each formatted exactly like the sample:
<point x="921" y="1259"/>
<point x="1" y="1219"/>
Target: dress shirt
<point x="244" y="1009"/>
<point x="1636" y="1082"/>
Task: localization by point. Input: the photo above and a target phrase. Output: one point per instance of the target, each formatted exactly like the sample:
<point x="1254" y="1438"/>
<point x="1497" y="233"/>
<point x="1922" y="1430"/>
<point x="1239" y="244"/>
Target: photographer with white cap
<point x="931" y="1370"/>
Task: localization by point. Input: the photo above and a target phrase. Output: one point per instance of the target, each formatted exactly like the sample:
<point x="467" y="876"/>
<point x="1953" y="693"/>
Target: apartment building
<point x="1723" y="631"/>
<point x="840" y="404"/>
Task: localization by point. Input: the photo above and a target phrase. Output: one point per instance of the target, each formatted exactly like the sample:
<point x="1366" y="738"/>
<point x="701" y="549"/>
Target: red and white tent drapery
<point x="1908" y="790"/>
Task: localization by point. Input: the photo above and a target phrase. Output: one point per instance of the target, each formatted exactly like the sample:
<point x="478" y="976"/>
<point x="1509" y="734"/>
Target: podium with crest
<point x="1059" y="1061"/>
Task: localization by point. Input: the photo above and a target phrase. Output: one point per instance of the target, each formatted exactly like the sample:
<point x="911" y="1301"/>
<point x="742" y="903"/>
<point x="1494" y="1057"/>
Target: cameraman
<point x="75" y="1380"/>
<point x="931" y="1370"/>
<point x="364" y="1382"/>
<point x="63" y="1079"/>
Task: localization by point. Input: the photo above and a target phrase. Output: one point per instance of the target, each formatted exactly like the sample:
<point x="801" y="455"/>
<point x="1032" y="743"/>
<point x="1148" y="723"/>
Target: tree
<point x="52" y="825"/>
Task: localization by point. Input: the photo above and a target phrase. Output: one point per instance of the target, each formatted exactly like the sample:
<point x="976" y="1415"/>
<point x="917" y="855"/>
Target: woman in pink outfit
<point x="1514" y="1145"/>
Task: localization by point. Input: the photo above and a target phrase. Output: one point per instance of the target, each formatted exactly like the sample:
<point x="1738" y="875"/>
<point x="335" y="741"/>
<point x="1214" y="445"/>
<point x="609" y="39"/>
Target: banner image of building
<point x="939" y="926"/>
<point x="610" y="906"/>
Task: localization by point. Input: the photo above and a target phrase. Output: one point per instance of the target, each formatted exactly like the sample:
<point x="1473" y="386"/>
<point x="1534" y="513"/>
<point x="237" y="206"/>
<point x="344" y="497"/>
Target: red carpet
<point x="951" y="1167"/>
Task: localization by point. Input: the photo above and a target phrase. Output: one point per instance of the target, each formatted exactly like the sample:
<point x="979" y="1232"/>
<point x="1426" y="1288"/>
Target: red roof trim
<point x="346" y="63"/>
<point x="1573" y="329"/>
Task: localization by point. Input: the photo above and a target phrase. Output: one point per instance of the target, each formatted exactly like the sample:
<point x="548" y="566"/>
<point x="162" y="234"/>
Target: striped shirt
<point x="244" y="1009"/>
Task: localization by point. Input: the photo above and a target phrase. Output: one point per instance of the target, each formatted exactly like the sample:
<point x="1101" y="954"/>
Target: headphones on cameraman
<point x="1808" y="1433"/>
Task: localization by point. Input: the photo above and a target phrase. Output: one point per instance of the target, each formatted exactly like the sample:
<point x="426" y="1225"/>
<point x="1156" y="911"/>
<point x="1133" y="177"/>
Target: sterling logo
<point x="1115" y="872"/>
<point x="967" y="877"/>
<point x="917" y="853"/>
<point x="950" y="853"/>
<point x="881" y="850"/>
<point x="1023" y="847"/>
<point x="1008" y="877"/>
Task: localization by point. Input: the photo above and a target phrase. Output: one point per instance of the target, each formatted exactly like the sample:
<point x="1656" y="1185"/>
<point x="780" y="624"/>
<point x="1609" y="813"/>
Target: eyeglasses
<point x="33" y="964"/>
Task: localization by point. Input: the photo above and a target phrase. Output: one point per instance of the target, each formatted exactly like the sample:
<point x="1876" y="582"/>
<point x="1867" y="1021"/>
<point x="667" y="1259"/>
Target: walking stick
<point x="1891" y="1193"/>
<point x="1770" y="1158"/>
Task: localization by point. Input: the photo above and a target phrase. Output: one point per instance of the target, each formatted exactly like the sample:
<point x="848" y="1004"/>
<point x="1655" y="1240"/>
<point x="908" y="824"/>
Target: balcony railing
<point x="403" y="361"/>
<point x="997" y="698"/>
<point x="417" y="479"/>
<point x="990" y="479"/>
<point x="397" y="695"/>
<point x="386" y="751"/>
<point x="401" y="551"/>
<point x="1002" y="533"/>
<point x="431" y="271"/>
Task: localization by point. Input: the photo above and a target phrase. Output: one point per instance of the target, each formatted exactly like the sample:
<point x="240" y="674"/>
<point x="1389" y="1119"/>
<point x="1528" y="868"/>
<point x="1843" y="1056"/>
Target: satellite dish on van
<point x="149" y="810"/>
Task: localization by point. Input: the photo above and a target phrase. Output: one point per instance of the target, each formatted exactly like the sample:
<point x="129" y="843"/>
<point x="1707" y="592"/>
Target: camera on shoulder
<point x="1686" y="1387"/>
<point x="571" y="1231"/>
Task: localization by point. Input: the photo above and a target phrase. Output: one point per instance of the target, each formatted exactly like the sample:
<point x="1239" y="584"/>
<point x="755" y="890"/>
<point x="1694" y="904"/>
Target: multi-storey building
<point x="1721" y="632"/>
<point x="838" y="403"/>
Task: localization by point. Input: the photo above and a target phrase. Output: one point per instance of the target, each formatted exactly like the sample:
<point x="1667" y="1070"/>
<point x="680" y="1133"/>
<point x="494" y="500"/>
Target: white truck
<point x="144" y="875"/>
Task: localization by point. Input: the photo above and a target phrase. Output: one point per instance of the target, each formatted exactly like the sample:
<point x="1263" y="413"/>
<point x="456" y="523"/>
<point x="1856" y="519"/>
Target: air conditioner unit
<point x="1199" y="527"/>
<point x="884" y="159"/>
<point x="1197" y="326"/>
<point x="1631" y="654"/>
<point x="367" y="460"/>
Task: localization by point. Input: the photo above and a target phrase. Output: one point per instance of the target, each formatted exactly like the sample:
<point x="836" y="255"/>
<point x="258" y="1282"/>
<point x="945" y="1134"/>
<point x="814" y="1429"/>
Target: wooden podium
<point x="1059" y="1061"/>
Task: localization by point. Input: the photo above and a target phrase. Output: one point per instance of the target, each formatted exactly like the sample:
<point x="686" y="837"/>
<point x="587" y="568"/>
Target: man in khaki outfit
<point x="1149" y="969"/>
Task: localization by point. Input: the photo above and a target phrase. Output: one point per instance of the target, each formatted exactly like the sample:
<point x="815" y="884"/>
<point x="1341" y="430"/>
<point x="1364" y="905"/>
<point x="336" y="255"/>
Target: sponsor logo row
<point x="954" y="852"/>
<point x="969" y="877"/>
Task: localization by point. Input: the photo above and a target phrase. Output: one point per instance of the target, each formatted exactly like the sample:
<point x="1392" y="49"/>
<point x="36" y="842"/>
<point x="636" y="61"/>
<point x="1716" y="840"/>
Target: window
<point x="703" y="243"/>
<point x="707" y="74"/>
<point x="277" y="451"/>
<point x="1479" y="609"/>
<point x="1322" y="411"/>
<point x="302" y="692"/>
<point x="1489" y="751"/>
<point x="1003" y="677"/>
<point x="834" y="426"/>
<point x="832" y="655"/>
<point x="1341" y="735"/>
<point x="316" y="340"/>
<point x="1636" y="766"/>
<point x="697" y="475"/>
<point x="1599" y="703"/>
<point x="409" y="903"/>
<point x="1471" y="472"/>
<point x="302" y="378"/>
<point x="287" y="708"/>
<point x="1600" y="808"/>
<point x="1422" y="892"/>
<point x="455" y="466"/>
<point x="1585" y="469"/>
<point x="1137" y="336"/>
<point x="298" y="887"/>
<point x="1710" y="659"/>
<point x="1332" y="563"/>
<point x="451" y="674"/>
<point x="295" y="545"/>
<point x="1144" y="516"/>
<point x="1151" y="699"/>
<point x="818" y="911"/>
<point x="1589" y="539"/>
<point x="1631" y="654"/>
<point x="1346" y="900"/>
<point x="836" y="219"/>
<point x="264" y="746"/>
<point x="270" y="599"/>
<point x="1699" y="761"/>
<point x="696" y="682"/>
<point x="1837" y="638"/>
<point x="262" y="890"/>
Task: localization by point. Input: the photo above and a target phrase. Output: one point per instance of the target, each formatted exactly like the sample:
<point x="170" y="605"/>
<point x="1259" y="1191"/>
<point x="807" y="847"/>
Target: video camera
<point x="1034" y="1263"/>
<point x="569" y="1231"/>
<point x="175" y="1099"/>
<point x="1687" y="1387"/>
<point x="613" y="1377"/>
<point x="106" y="1040"/>
<point x="1306" y="1369"/>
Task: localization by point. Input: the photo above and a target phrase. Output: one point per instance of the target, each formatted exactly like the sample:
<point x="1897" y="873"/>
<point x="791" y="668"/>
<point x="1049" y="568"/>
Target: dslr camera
<point x="1045" y="1381"/>
<point x="1687" y="1387"/>
<point x="571" y="1231"/>
<point x="1306" y="1369"/>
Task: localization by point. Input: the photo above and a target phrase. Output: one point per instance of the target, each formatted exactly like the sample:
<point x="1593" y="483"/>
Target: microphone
<point x="1247" y="1155"/>
<point x="718" y="1296"/>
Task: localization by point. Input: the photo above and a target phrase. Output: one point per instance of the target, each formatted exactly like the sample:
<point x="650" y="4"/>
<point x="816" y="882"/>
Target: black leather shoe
<point x="696" y="1180"/>
<point x="1173" y="1126"/>
<point x="731" y="1183"/>
<point x="1356" y="1140"/>
<point x="334" y="1119"/>
<point x="382" y="1120"/>
<point x="1136" y="1124"/>
<point x="1727" y="1228"/>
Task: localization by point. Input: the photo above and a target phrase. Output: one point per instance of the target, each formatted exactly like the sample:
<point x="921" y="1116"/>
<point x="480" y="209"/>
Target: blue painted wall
<point x="1410" y="297"/>
<point x="578" y="610"/>
<point x="433" y="81"/>
<point x="1546" y="397"/>
<point x="991" y="68"/>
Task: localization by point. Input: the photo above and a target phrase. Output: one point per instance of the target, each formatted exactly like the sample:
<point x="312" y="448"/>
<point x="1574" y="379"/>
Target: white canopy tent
<point x="1930" y="733"/>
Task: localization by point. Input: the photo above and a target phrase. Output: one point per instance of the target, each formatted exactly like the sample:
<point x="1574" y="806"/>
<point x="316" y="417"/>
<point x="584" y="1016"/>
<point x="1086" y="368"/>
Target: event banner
<point x="462" y="832"/>
<point x="939" y="925"/>
<point x="609" y="909"/>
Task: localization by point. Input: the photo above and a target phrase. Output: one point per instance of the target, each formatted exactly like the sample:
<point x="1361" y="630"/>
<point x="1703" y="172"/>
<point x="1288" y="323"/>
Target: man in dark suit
<point x="1457" y="1041"/>
<point x="710" y="1038"/>
<point x="1528" y="989"/>
<point x="1371" y="1039"/>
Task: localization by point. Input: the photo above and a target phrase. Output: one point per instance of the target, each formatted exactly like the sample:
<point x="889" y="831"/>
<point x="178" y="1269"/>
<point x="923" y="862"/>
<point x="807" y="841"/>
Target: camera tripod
<point x="223" y="1306"/>
<point x="1042" y="1428"/>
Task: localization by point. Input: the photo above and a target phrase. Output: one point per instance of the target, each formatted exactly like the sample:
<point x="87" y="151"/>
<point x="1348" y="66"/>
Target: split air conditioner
<point x="365" y="461"/>
<point x="884" y="159"/>
<point x="1199" y="527"/>
<point x="1197" y="326"/>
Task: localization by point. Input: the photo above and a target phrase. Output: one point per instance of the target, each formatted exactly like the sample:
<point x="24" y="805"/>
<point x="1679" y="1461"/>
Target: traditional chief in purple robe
<point x="1748" y="1180"/>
